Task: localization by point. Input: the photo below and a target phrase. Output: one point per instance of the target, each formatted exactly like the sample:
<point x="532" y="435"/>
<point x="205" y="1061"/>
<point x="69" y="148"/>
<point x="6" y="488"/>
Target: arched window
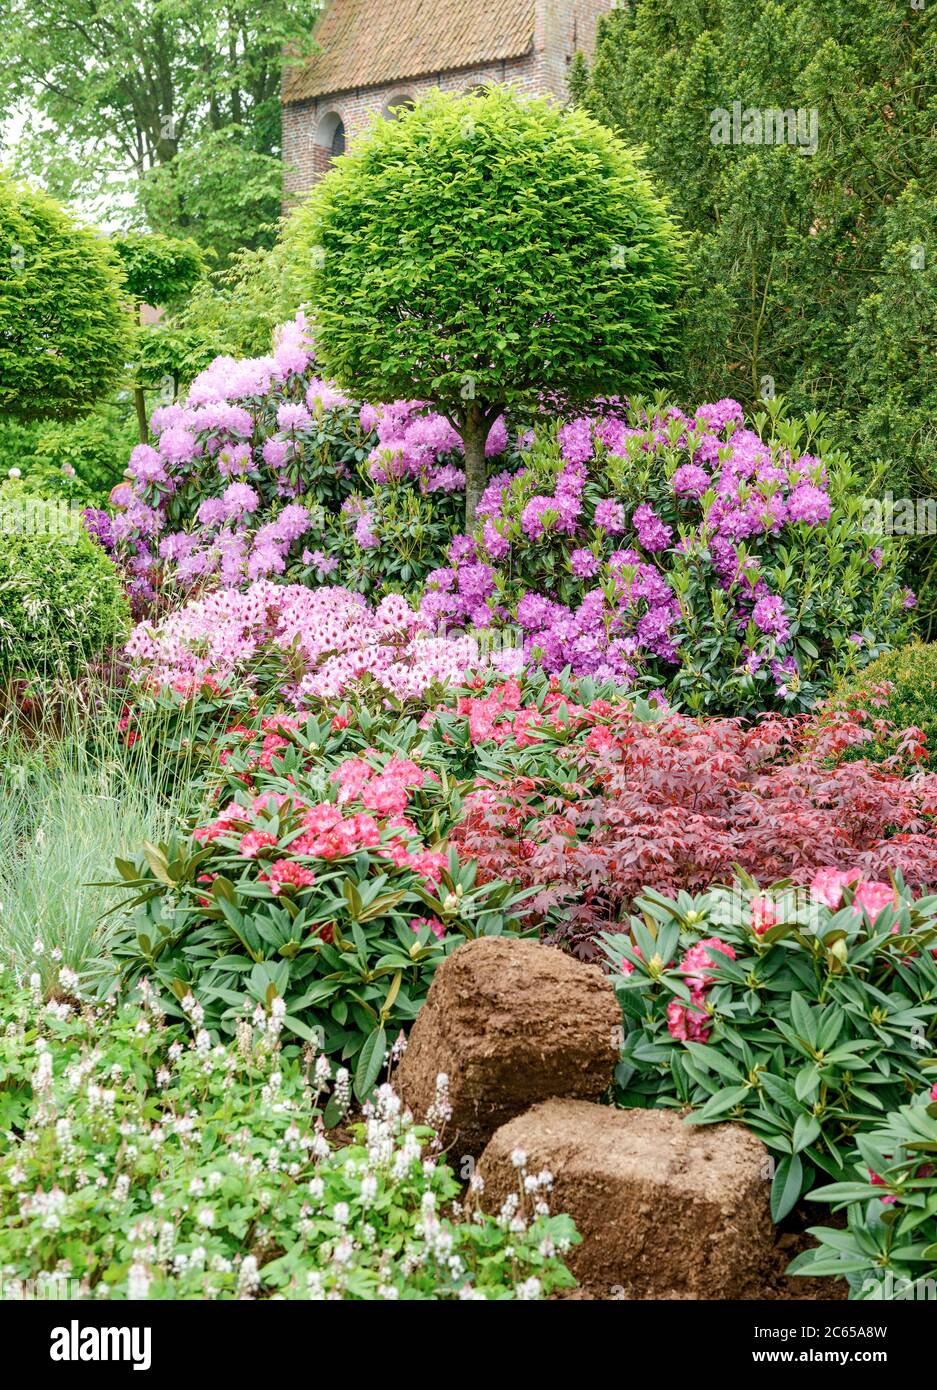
<point x="397" y="105"/>
<point x="331" y="134"/>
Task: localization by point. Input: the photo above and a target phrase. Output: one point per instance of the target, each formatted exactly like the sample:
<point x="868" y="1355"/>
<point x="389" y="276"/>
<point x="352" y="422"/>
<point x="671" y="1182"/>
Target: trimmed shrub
<point x="899" y="687"/>
<point x="64" y="330"/>
<point x="78" y="460"/>
<point x="515" y="250"/>
<point x="61" y="599"/>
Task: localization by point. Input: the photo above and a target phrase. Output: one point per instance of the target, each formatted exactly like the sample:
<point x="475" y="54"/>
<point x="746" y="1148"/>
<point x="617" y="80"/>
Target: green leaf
<point x="786" y="1186"/>
<point x="370" y="1062"/>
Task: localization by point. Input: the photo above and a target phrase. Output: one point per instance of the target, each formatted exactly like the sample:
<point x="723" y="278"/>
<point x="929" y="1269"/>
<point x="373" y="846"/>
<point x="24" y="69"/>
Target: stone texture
<point x="510" y="1022"/>
<point x="665" y="1209"/>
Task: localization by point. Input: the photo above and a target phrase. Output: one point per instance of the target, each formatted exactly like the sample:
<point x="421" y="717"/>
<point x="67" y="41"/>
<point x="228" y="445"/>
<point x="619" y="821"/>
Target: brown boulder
<point x="510" y="1022"/>
<point x="665" y="1209"/>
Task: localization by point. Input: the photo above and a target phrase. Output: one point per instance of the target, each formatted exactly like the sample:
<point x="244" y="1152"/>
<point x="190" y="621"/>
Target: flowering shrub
<point x="296" y="644"/>
<point x="624" y="801"/>
<point x="325" y="885"/>
<point x="728" y="565"/>
<point x="149" y="1161"/>
<point x="889" y="1247"/>
<point x="266" y="471"/>
<point x="805" y="1015"/>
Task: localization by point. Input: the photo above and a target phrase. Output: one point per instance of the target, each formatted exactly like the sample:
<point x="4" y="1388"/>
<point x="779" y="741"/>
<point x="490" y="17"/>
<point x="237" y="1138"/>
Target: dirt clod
<point x="665" y="1209"/>
<point x="510" y="1022"/>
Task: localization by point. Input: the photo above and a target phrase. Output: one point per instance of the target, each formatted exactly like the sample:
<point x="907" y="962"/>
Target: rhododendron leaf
<point x="786" y="1186"/>
<point x="697" y="1074"/>
<point x="223" y="888"/>
<point x="296" y="1026"/>
<point x="158" y="864"/>
<point x="806" y="1130"/>
<point x="720" y="1103"/>
<point x="710" y="1058"/>
<point x="803" y="1020"/>
<point x="351" y="896"/>
<point x="317" y="993"/>
<point x="370" y="1063"/>
<point x="391" y="995"/>
<point x="381" y="906"/>
<point x="779" y="932"/>
<point x="236" y="963"/>
<point x="806" y="1081"/>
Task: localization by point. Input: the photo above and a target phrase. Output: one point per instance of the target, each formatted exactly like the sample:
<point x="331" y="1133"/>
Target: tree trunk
<point x="139" y="401"/>
<point x="474" y="439"/>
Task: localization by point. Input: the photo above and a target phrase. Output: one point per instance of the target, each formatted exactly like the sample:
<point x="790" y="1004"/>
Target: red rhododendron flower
<point x="254" y="841"/>
<point x="286" y="874"/>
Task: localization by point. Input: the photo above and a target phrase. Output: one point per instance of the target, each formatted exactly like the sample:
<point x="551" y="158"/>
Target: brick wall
<point x="562" y="26"/>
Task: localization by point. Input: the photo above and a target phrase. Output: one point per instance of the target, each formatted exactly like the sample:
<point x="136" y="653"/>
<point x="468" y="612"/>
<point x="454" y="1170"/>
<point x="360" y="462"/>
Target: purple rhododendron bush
<point x="267" y="471"/>
<point x="723" y="563"/>
<point x="727" y="565"/>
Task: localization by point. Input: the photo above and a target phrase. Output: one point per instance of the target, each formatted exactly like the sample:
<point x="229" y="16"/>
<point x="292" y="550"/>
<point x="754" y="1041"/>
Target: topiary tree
<point x="64" y="330"/>
<point x="488" y="253"/>
<point x="158" y="270"/>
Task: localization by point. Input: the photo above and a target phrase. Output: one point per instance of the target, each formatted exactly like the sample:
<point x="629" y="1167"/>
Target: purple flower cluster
<point x="414" y="442"/>
<point x="235" y="486"/>
<point x="550" y="560"/>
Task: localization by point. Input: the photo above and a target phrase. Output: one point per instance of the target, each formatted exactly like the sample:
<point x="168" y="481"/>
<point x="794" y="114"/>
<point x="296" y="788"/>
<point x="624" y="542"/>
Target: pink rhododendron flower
<point x="286" y="875"/>
<point x="764" y="914"/>
<point x="828" y="884"/>
<point x="687" y="1022"/>
<point x="255" y="841"/>
<point x="873" y="897"/>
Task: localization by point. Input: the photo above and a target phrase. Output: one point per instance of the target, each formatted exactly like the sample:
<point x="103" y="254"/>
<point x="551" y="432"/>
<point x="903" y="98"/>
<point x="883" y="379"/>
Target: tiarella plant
<point x="148" y="1160"/>
<point x="888" y="1249"/>
<point x="806" y="1016"/>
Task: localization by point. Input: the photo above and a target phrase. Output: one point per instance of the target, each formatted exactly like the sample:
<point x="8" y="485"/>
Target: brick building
<point x="376" y="55"/>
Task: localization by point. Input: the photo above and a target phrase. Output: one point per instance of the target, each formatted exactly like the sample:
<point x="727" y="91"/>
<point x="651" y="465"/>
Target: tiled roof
<point x="370" y="43"/>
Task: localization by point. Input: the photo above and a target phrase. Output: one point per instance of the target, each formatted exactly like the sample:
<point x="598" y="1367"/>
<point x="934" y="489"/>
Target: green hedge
<point x="61" y="601"/>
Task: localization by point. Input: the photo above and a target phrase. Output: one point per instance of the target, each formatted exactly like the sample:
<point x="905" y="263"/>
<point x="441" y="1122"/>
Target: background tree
<point x="481" y="251"/>
<point x="158" y="271"/>
<point x="65" y="332"/>
<point x="810" y="274"/>
<point x="128" y="87"/>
